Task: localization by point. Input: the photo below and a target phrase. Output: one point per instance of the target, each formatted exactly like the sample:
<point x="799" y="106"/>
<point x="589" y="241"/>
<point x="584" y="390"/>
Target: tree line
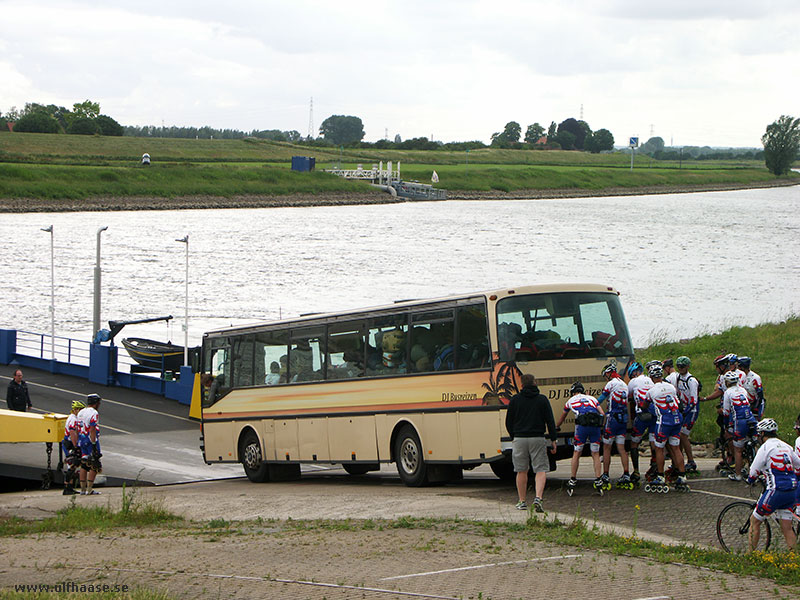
<point x="83" y="119"/>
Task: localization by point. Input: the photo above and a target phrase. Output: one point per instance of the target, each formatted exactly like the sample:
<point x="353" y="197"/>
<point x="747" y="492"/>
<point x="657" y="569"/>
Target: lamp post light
<point x="52" y="294"/>
<point x="185" y="240"/>
<point x="97" y="275"/>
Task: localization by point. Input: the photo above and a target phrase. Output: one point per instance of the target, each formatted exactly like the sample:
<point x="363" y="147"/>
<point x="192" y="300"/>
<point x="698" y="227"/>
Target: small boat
<point x="158" y="356"/>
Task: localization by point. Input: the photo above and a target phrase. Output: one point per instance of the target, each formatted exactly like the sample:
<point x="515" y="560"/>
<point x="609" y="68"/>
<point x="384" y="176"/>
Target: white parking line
<point x="360" y="588"/>
<point x="723" y="495"/>
<point x="498" y="564"/>
<point x="655" y="598"/>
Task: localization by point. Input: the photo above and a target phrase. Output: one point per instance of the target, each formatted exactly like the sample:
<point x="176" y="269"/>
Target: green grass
<point x="774" y="348"/>
<point x="73" y="167"/>
<point x="131" y="513"/>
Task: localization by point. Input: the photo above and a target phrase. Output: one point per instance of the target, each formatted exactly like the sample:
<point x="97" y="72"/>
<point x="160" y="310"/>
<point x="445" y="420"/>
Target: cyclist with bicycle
<point x="738" y="419"/>
<point x="779" y="465"/>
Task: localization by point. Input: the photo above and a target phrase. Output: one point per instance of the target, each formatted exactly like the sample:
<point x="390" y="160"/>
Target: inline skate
<point x="691" y="470"/>
<point x="598" y="486"/>
<point x="681" y="484"/>
<point x="571" y="485"/>
<point x="625" y="483"/>
<point x="658" y="485"/>
<point x="606" y="482"/>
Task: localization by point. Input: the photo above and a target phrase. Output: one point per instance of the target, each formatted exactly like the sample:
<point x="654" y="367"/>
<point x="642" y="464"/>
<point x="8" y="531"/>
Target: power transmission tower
<point x="311" y="135"/>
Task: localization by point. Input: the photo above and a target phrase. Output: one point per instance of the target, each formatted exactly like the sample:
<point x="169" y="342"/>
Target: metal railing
<point x="41" y="345"/>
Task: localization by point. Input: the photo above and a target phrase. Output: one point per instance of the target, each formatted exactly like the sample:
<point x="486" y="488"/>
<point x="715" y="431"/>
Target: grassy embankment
<point x="774" y="348"/>
<point x="76" y="167"/>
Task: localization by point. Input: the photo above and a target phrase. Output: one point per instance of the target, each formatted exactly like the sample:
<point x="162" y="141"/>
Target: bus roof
<point x="356" y="312"/>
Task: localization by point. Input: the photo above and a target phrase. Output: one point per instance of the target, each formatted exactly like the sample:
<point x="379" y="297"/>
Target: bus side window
<point x="272" y="351"/>
<point x="386" y="345"/>
<point x="473" y="343"/>
<point x="306" y="361"/>
<point x="242" y="347"/>
<point x="345" y="350"/>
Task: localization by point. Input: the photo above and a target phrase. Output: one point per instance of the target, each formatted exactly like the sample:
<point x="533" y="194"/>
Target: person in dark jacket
<point x="529" y="413"/>
<point x="17" y="396"/>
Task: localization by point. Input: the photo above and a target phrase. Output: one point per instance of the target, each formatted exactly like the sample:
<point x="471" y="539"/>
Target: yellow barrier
<point x="195" y="410"/>
<point x="18" y="426"/>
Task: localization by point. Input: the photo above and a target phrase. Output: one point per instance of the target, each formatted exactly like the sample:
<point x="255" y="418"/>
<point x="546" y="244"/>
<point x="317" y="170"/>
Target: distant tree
<point x="552" y="131"/>
<point x="397" y="139"/>
<point x="82" y="126"/>
<point x="3" y="124"/>
<point x="651" y="146"/>
<point x="781" y="143"/>
<point x="580" y="129"/>
<point x="36" y="122"/>
<point x="508" y="137"/>
<point x="565" y="139"/>
<point x="292" y="136"/>
<point x="107" y="126"/>
<point x="341" y="129"/>
<point x="534" y="133"/>
<point x="87" y="109"/>
<point x="12" y="114"/>
<point x="600" y="140"/>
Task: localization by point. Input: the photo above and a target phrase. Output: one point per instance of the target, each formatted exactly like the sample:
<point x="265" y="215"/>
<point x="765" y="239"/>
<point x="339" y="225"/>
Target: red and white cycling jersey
<point x="637" y="389"/>
<point x="87" y="418"/>
<point x="778" y="463"/>
<point x="752" y="385"/>
<point x="581" y="404"/>
<point x="735" y="404"/>
<point x="688" y="390"/>
<point x="71" y="425"/>
<point x="617" y="392"/>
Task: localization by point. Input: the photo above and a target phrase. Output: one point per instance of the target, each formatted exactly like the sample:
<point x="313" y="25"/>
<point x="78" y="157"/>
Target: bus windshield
<point x="561" y="325"/>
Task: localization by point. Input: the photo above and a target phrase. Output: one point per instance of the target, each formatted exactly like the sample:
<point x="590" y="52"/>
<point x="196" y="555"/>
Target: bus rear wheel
<point x="252" y="459"/>
<point x="503" y="469"/>
<point x="409" y="458"/>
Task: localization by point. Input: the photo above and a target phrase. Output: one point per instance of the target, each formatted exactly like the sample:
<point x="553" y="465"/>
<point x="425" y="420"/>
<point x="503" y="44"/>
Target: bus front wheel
<point x="409" y="458"/>
<point x="252" y="459"/>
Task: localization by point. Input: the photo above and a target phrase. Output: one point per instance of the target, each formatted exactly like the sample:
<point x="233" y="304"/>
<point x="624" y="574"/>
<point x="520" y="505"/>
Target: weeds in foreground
<point x="75" y="517"/>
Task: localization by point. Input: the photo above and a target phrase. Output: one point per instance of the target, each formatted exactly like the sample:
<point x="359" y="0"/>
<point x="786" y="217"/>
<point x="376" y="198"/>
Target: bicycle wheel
<point x="733" y="527"/>
<point x="756" y="488"/>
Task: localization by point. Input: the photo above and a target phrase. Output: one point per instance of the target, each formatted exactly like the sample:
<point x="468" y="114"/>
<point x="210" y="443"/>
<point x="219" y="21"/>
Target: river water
<point x="684" y="263"/>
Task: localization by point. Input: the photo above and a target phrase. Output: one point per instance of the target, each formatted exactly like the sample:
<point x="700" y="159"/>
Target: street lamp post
<point x="52" y="294"/>
<point x="185" y="240"/>
<point x="97" y="275"/>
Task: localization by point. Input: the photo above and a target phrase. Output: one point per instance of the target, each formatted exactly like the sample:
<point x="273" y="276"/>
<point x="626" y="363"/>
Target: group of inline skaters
<point x="81" y="447"/>
<point x="663" y="405"/>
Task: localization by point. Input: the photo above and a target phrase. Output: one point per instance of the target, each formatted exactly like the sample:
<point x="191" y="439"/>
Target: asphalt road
<point x="143" y="436"/>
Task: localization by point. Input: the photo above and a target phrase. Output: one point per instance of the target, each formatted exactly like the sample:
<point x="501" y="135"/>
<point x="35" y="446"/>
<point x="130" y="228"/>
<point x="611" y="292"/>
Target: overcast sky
<point x="695" y="72"/>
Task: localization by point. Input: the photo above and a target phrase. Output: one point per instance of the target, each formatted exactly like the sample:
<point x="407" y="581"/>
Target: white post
<point x="52" y="294"/>
<point x="97" y="276"/>
<point x="185" y="240"/>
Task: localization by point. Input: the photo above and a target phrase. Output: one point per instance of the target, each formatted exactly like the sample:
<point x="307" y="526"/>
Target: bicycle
<point x="733" y="528"/>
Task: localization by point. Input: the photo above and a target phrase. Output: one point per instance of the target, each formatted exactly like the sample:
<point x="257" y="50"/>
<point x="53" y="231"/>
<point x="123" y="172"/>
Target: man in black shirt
<point x="17" y="396"/>
<point x="529" y="413"/>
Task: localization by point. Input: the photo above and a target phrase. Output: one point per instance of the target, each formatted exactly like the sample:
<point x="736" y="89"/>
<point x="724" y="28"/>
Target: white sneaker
<point x="735" y="477"/>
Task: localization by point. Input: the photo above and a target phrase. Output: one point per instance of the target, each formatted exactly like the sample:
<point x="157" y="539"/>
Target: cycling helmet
<point x="683" y="361"/>
<point x="655" y="370"/>
<point x="78" y="404"/>
<point x="721" y="360"/>
<point x="92" y="399"/>
<point x="577" y="388"/>
<point x="610" y="368"/>
<point x="731" y="379"/>
<point x="633" y="368"/>
<point x="767" y="425"/>
<point x="744" y="361"/>
<point x="732" y="358"/>
<point x="651" y="364"/>
<point x="667" y="363"/>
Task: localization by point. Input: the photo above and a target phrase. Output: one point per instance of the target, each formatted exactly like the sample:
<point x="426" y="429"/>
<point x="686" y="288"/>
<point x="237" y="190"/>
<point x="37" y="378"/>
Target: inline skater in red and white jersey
<point x="797" y="454"/>
<point x="688" y="388"/>
<point x="738" y="419"/>
<point x="721" y="364"/>
<point x="778" y="463"/>
<point x="663" y="397"/>
<point x="638" y="384"/>
<point x="588" y="429"/>
<point x="753" y="387"/>
<point x="616" y="428"/>
<point x="71" y="448"/>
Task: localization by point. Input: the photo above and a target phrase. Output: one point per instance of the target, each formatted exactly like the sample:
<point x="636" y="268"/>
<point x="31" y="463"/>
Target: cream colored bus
<point x="421" y="383"/>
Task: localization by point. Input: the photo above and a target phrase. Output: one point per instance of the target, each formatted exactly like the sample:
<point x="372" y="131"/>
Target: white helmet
<point x="656" y="371"/>
<point x="767" y="425"/>
<point x="731" y="379"/>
